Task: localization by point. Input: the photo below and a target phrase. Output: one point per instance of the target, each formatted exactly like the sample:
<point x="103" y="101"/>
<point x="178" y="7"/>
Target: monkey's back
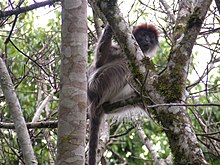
<point x="106" y="81"/>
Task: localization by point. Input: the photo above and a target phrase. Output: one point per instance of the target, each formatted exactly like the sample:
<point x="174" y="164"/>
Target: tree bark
<point x="171" y="84"/>
<point x="73" y="96"/>
<point x="17" y="115"/>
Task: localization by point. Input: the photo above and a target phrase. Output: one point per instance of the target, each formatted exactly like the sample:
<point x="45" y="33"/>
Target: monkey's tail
<point x="95" y="121"/>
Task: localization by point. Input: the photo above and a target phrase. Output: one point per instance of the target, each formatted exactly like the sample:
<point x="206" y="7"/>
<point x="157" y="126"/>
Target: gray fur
<point x="107" y="82"/>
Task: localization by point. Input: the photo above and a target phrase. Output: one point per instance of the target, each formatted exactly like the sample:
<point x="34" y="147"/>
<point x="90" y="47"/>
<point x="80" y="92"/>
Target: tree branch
<point x="42" y="106"/>
<point x="172" y="83"/>
<point x="167" y="8"/>
<point x="156" y="157"/>
<point x="30" y="125"/>
<point x="20" y="10"/>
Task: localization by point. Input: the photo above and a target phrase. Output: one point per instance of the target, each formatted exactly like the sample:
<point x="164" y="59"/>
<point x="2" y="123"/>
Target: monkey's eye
<point x="147" y="39"/>
<point x="153" y="39"/>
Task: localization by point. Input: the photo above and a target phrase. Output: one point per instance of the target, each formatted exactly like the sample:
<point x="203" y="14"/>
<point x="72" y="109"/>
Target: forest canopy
<point x="182" y="96"/>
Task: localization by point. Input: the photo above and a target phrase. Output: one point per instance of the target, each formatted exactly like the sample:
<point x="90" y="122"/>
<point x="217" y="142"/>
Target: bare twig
<point x="167" y="8"/>
<point x="12" y="28"/>
<point x="31" y="125"/>
<point x="34" y="61"/>
<point x="42" y="106"/>
<point x="27" y="8"/>
<point x="124" y="133"/>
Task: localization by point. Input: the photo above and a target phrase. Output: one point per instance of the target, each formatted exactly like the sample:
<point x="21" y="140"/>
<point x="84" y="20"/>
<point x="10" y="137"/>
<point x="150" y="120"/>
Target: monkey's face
<point x="146" y="39"/>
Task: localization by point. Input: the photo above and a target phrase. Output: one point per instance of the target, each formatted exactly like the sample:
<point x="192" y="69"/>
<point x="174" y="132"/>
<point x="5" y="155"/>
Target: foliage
<point x="130" y="146"/>
<point x="33" y="59"/>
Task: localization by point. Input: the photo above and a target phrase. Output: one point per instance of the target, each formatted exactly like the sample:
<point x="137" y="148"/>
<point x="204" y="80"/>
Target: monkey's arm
<point x="104" y="47"/>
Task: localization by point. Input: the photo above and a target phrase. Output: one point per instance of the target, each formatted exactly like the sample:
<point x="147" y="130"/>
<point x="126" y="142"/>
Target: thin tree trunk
<point x="73" y="96"/>
<point x="15" y="109"/>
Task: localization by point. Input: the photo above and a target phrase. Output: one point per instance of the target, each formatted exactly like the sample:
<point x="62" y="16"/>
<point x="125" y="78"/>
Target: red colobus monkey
<point x="108" y="76"/>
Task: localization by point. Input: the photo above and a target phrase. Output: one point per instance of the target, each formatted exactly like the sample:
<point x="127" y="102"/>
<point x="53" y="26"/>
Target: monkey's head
<point x="146" y="37"/>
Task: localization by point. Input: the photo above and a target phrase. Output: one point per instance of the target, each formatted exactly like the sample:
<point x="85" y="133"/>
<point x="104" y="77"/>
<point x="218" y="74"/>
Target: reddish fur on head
<point x="146" y="36"/>
<point x="146" y="26"/>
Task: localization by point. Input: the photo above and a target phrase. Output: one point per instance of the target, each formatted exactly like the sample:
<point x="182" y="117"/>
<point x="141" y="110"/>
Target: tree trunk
<point x="73" y="96"/>
<point x="17" y="115"/>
